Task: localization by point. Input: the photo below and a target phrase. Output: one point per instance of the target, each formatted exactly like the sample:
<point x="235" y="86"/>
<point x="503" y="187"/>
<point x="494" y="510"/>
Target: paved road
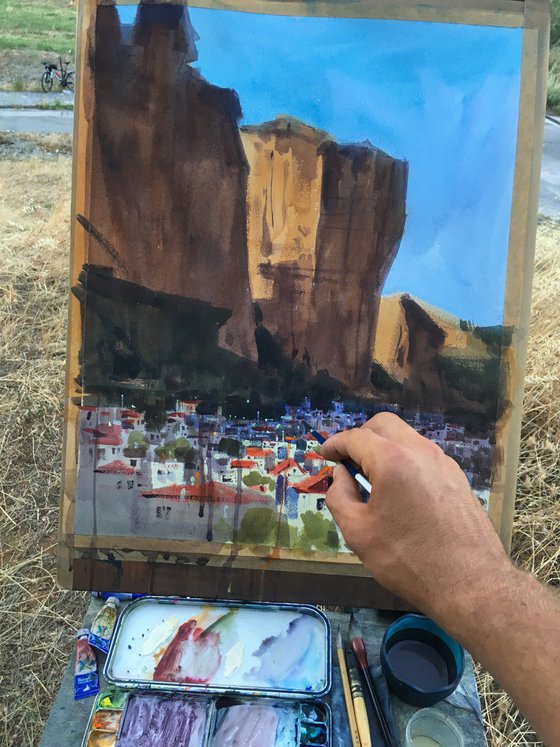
<point x="549" y="198"/>
<point x="26" y="99"/>
<point x="28" y="119"/>
<point x="36" y="120"/>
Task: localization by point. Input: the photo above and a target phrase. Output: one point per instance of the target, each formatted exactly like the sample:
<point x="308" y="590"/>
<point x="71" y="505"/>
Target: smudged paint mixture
<point x="238" y="649"/>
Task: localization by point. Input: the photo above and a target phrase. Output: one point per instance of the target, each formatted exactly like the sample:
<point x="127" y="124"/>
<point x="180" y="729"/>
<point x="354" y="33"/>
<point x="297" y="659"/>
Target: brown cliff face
<point x="325" y="222"/>
<point x="425" y="358"/>
<point x="168" y="172"/>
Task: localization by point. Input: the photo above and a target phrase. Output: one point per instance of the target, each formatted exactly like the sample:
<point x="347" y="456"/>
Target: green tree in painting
<point x="230" y="446"/>
<point x="136" y="440"/>
<point x="254" y="479"/>
<point x="318" y="533"/>
<point x="178" y="448"/>
<point x="222" y="531"/>
<point x="264" y="526"/>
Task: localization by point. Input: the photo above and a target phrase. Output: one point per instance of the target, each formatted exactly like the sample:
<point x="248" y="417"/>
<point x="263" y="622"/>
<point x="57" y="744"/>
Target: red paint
<point x="192" y="656"/>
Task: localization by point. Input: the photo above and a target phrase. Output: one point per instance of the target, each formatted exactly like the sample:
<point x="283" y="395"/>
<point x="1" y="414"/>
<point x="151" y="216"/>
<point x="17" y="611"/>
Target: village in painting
<point x="207" y="478"/>
<point x="235" y="285"/>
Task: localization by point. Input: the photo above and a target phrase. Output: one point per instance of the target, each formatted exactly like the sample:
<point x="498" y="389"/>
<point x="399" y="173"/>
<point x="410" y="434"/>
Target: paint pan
<point x="275" y="650"/>
<point x="179" y="720"/>
<point x="158" y="719"/>
<point x="270" y="723"/>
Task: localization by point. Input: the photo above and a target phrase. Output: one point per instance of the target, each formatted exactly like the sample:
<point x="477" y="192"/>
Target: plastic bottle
<point x="104" y="624"/>
<point x="86" y="680"/>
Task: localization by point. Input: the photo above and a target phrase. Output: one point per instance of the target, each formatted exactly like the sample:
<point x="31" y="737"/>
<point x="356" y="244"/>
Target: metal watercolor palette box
<point x="193" y="674"/>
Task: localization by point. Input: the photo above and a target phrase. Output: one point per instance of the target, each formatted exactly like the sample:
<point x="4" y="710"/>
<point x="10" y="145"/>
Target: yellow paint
<point x="234" y="659"/>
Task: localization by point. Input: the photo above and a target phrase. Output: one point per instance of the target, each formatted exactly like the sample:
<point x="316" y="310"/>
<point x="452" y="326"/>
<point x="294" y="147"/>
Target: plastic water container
<point x="431" y="728"/>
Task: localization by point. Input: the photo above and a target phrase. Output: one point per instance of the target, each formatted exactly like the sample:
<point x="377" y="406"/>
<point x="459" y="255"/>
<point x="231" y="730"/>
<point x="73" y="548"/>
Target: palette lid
<point x="277" y="650"/>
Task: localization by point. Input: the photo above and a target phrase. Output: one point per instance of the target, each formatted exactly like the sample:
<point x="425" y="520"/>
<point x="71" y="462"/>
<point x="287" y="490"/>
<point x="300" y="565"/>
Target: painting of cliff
<point x="283" y="220"/>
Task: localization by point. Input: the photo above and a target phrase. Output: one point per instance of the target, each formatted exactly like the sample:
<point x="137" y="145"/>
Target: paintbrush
<point x="356" y="474"/>
<point x="354" y="734"/>
<point x="360" y="710"/>
<point x="360" y="652"/>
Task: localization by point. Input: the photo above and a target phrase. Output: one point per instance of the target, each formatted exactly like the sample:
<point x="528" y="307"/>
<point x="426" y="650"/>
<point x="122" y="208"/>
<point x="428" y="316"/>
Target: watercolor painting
<point x="288" y="220"/>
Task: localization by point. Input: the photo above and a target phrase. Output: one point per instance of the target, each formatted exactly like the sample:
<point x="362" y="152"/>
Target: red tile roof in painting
<point x="315" y="483"/>
<point x="284" y="465"/>
<point x="130" y="414"/>
<point x="117" y="468"/>
<point x="313" y="455"/>
<point x="106" y="435"/>
<point x="255" y="452"/>
<point x="215" y="492"/>
<point x="242" y="463"/>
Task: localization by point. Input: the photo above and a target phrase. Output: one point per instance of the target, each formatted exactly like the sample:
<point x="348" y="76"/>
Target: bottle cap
<point x="113" y="600"/>
<point x="82" y="632"/>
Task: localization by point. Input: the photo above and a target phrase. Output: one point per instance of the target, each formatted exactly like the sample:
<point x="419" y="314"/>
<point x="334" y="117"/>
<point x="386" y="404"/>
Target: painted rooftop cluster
<point x="215" y="479"/>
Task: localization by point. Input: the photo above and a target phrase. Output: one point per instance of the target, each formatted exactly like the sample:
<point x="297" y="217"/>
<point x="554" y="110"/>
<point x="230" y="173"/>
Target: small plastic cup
<point x="431" y="728"/>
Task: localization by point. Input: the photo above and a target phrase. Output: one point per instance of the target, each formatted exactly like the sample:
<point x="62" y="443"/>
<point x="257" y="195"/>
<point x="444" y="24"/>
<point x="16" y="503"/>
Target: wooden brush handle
<point x="354" y="733"/>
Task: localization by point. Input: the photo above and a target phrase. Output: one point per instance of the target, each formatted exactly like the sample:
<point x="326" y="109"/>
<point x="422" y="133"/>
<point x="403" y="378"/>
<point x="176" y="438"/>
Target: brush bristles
<point x="338" y="638"/>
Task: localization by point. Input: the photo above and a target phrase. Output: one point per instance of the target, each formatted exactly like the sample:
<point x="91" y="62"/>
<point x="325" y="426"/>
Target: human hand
<point x="423" y="533"/>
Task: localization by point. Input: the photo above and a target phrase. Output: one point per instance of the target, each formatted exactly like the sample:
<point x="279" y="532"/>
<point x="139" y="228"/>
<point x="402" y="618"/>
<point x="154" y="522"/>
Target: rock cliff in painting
<point x="276" y="230"/>
<point x="422" y="355"/>
<point x="168" y="172"/>
<point x="325" y="221"/>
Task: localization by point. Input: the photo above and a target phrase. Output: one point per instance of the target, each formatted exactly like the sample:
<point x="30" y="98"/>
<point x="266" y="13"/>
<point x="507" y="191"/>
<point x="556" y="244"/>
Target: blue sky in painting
<point x="443" y="96"/>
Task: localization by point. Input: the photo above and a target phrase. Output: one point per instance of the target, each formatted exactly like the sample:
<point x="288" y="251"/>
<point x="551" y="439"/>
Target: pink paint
<point x="192" y="656"/>
<point x="247" y="726"/>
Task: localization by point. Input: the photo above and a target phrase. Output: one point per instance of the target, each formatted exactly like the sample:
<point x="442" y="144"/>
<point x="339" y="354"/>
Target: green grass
<point x="58" y="105"/>
<point x="48" y="26"/>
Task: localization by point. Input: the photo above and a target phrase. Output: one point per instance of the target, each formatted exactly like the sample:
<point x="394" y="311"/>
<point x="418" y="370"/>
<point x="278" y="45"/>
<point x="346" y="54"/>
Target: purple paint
<point x="163" y="721"/>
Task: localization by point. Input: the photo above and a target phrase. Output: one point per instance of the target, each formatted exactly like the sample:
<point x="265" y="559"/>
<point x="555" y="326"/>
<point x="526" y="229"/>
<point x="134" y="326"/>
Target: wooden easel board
<point x="289" y="211"/>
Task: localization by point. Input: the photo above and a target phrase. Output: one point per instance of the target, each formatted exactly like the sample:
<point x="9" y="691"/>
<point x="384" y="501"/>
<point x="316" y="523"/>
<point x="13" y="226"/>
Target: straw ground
<point x="37" y="619"/>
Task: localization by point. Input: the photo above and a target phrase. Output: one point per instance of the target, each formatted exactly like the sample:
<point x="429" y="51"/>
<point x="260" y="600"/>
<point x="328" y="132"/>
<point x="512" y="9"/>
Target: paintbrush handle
<point x="379" y="712"/>
<point x="359" y="706"/>
<point x="355" y="735"/>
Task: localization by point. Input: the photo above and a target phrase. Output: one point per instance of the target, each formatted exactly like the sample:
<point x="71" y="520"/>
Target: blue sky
<point x="442" y="96"/>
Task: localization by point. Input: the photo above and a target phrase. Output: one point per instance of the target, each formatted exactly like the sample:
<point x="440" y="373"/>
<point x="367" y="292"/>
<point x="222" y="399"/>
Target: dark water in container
<point x="421" y="659"/>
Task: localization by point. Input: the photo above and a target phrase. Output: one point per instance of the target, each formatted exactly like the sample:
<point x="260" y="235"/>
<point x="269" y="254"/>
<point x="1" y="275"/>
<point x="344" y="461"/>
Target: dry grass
<point x="38" y="620"/>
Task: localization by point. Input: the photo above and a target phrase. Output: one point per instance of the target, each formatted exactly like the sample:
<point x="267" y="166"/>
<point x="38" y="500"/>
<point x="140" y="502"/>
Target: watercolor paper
<point x="239" y="648"/>
<point x="262" y="237"/>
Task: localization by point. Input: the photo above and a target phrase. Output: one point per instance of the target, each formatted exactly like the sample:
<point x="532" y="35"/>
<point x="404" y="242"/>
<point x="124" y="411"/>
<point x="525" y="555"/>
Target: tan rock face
<point x="324" y="225"/>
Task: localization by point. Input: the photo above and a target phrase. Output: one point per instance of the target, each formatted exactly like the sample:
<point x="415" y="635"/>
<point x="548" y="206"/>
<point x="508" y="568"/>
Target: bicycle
<point x="63" y="76"/>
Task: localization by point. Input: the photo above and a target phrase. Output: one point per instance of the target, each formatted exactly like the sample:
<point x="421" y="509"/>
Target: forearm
<point x="511" y="624"/>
